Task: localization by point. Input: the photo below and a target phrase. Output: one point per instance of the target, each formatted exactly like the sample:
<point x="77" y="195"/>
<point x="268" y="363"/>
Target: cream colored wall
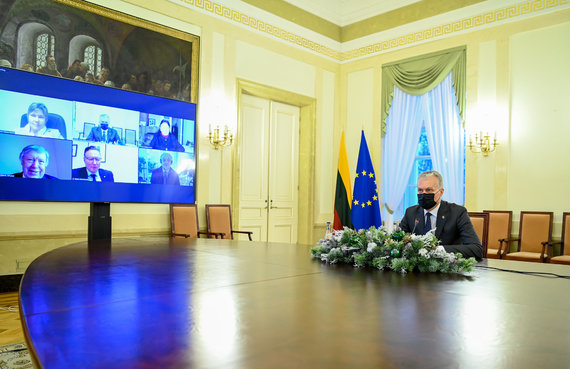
<point x="538" y="176"/>
<point x="501" y="70"/>
<point x="517" y="84"/>
<point x="227" y="52"/>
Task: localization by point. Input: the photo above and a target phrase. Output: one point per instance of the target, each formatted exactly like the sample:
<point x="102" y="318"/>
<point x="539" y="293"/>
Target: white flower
<point x="439" y="252"/>
<point x="371" y="246"/>
<point x="423" y="252"/>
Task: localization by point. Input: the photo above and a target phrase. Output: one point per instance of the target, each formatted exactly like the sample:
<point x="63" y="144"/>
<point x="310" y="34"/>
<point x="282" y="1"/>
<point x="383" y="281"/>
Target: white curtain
<point x="446" y="139"/>
<point x="404" y="124"/>
<point x="438" y="110"/>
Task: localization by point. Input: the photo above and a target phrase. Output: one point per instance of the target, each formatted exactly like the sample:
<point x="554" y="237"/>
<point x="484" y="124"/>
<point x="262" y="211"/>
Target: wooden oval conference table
<point x="178" y="303"/>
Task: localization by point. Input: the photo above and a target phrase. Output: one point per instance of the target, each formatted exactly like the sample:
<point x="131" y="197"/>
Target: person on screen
<point x="165" y="174"/>
<point x="102" y="133"/>
<point x="37" y="120"/>
<point x="34" y="160"/>
<point x="449" y="222"/>
<point x="92" y="170"/>
<point x="164" y="140"/>
<point x="50" y="67"/>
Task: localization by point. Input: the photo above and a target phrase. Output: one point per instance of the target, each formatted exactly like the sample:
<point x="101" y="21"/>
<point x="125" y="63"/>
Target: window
<point x="422" y="162"/>
<point x="93" y="55"/>
<point x="45" y="45"/>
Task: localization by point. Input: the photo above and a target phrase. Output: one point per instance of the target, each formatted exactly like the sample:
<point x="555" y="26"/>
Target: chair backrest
<point x="130" y="137"/>
<point x="184" y="219"/>
<point x="219" y="219"/>
<point x="500" y="222"/>
<point x="87" y="129"/>
<point x="119" y="131"/>
<point x="481" y="224"/>
<point x="55" y="121"/>
<point x="565" y="248"/>
<point x="535" y="228"/>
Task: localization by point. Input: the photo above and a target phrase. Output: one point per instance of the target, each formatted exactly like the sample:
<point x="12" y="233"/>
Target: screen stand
<point x="99" y="228"/>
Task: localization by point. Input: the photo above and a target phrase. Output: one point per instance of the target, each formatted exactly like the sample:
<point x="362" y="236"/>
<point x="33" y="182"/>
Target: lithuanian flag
<point x="343" y="194"/>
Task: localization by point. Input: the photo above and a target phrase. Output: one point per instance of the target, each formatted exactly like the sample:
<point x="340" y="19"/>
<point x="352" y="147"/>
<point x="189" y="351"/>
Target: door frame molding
<point x="307" y="129"/>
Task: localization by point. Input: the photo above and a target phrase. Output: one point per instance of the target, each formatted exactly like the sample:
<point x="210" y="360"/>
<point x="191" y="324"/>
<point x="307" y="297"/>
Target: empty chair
<point x="219" y="219"/>
<point x="564" y="257"/>
<point x="535" y="233"/>
<point x="184" y="221"/>
<point x="86" y="130"/>
<point x="119" y="132"/>
<point x="500" y="222"/>
<point x="481" y="224"/>
<point x="130" y="137"/>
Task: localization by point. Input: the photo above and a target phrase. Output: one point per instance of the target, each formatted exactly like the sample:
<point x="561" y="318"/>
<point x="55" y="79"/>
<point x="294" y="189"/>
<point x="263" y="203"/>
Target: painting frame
<point x="187" y="45"/>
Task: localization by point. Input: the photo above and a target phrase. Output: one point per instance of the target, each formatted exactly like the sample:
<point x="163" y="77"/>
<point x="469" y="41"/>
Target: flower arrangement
<point x="397" y="251"/>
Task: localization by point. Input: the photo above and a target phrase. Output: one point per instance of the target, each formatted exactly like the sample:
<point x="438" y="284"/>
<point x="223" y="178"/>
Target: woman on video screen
<point x="164" y="140"/>
<point x="37" y="118"/>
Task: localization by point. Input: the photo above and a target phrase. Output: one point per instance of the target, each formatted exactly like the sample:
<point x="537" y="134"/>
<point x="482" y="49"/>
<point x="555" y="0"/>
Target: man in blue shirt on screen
<point x="92" y="170"/>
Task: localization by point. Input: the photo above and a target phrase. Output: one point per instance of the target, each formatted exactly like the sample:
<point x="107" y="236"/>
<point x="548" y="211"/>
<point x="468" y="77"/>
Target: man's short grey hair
<point x="433" y="173"/>
<point x="166" y="156"/>
<point x="34" y="148"/>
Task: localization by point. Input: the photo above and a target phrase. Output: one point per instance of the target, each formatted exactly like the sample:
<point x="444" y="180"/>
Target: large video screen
<point x="64" y="140"/>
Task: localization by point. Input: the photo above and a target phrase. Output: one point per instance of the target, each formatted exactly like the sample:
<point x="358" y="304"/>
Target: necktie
<point x="104" y="136"/>
<point x="165" y="177"/>
<point x="427" y="227"/>
<point x="93" y="177"/>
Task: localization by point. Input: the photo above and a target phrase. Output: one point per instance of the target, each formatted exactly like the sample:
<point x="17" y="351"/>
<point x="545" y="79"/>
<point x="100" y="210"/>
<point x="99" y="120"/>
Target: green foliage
<point x="400" y="252"/>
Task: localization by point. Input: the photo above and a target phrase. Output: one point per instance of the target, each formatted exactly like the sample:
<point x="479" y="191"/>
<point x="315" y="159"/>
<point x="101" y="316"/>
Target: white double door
<point x="269" y="167"/>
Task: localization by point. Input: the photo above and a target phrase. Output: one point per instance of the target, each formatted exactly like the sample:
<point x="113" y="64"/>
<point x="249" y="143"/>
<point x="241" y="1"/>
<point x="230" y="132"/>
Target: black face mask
<point x="426" y="200"/>
<point x="104" y="126"/>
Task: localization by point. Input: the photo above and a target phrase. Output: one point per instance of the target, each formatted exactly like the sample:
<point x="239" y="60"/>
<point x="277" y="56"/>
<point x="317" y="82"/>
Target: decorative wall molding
<point x="410" y="39"/>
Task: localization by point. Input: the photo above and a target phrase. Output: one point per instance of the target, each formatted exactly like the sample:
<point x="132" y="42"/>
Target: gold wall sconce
<point x="483" y="144"/>
<point x="217" y="140"/>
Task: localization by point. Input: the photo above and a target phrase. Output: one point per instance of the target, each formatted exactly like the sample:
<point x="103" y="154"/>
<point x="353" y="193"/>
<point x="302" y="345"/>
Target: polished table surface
<point x="177" y="303"/>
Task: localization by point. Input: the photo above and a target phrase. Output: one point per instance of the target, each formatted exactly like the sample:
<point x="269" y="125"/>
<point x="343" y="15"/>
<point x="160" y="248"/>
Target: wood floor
<point x="10" y="327"/>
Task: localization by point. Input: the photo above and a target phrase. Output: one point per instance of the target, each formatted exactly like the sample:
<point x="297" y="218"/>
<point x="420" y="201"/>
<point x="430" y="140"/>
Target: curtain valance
<point x="421" y="74"/>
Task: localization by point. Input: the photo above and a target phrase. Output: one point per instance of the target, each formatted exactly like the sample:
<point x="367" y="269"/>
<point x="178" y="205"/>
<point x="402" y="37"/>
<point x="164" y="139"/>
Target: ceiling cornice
<point x="299" y="16"/>
<point x="393" y="39"/>
<point x="402" y="16"/>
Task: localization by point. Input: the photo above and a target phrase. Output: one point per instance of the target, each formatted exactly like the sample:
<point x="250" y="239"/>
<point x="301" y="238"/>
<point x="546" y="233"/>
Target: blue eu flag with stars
<point x="365" y="211"/>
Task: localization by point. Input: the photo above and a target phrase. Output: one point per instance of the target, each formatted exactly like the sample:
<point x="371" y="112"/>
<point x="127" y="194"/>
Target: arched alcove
<point x="77" y="46"/>
<point x="27" y="34"/>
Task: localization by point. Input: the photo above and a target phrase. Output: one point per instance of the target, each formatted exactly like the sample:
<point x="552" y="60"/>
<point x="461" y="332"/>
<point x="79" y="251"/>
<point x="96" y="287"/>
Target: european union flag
<point x="365" y="211"/>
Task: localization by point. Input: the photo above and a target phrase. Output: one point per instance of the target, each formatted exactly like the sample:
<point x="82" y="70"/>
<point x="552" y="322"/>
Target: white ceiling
<point x="345" y="12"/>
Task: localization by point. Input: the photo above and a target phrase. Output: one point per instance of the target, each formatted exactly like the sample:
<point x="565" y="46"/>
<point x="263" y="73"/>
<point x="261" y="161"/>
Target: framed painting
<point x="86" y="42"/>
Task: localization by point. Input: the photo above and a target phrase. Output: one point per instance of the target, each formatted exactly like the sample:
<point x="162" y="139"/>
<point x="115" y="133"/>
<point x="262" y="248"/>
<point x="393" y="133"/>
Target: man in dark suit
<point x="165" y="174"/>
<point x="102" y="133"/>
<point x="449" y="222"/>
<point x="92" y="170"/>
<point x="34" y="160"/>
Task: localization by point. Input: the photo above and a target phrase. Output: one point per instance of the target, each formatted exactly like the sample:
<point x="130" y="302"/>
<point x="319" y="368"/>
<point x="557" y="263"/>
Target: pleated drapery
<point x="418" y="75"/>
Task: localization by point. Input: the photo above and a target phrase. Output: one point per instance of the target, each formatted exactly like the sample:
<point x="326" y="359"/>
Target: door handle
<point x="271" y="205"/>
<point x="265" y="205"/>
